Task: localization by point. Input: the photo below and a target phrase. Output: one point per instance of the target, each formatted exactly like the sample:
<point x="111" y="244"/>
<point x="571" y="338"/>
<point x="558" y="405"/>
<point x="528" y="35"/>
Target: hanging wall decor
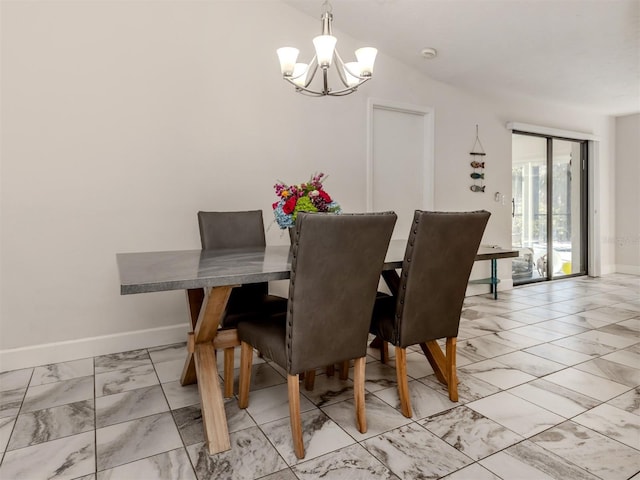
<point x="477" y="163"/>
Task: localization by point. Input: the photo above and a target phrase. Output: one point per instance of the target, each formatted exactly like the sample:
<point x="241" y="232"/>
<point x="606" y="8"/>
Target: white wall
<point x="627" y="195"/>
<point x="120" y="120"/>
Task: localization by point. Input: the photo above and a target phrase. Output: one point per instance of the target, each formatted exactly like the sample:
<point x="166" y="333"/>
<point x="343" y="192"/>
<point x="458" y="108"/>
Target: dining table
<point x="208" y="277"/>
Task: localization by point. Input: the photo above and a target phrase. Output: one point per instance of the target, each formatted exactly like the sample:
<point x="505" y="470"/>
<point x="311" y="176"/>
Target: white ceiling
<point x="582" y="53"/>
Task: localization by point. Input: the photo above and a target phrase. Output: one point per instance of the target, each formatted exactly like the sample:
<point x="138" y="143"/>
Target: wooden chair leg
<point x="344" y="370"/>
<point x="403" y="381"/>
<point x="228" y="371"/>
<point x="246" y="359"/>
<point x="309" y="380"/>
<point x="294" y="415"/>
<point x="358" y="393"/>
<point x="330" y="370"/>
<point x="452" y="377"/>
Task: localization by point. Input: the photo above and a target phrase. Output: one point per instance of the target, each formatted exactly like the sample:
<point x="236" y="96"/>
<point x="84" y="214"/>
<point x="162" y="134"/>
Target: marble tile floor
<point x="549" y="389"/>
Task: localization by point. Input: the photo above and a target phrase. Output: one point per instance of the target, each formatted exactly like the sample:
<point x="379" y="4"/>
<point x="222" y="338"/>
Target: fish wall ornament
<point x="477" y="153"/>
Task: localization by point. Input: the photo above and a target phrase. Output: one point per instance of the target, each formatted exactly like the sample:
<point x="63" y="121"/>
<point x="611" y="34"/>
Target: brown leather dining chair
<point x="238" y="230"/>
<point x="336" y="265"/>
<point x="427" y="305"/>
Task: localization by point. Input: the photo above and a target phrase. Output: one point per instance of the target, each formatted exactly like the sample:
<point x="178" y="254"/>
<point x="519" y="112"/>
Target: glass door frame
<point x="584" y="211"/>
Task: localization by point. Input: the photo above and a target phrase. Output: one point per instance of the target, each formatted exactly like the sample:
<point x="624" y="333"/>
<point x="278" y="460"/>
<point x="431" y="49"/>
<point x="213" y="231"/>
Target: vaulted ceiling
<point x="581" y="53"/>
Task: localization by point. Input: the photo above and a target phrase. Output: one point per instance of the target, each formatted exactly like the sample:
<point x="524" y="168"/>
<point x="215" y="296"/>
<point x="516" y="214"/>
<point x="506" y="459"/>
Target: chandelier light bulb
<point x="299" y="76"/>
<point x="287" y="57"/>
<point x="325" y="45"/>
<point x="366" y="58"/>
<point x="352" y="73"/>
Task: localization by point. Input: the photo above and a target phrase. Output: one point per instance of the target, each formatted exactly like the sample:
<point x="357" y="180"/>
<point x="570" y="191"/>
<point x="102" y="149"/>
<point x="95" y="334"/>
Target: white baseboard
<point x="47" y="353"/>
<point x="632" y="269"/>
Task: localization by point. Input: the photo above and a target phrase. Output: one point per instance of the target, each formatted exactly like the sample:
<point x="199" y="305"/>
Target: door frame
<point x="585" y="225"/>
<point x="594" y="240"/>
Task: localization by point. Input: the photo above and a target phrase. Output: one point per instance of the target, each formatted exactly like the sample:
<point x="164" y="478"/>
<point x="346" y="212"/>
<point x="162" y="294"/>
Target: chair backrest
<point x="335" y="269"/>
<point x="235" y="230"/>
<point x="440" y="252"/>
<point x="231" y="229"/>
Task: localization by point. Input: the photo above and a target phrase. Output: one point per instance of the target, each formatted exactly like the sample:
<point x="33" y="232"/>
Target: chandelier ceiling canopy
<point x="351" y="74"/>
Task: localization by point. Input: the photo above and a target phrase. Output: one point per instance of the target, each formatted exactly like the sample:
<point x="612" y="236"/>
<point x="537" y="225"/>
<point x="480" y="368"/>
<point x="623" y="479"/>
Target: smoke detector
<point x="429" y="53"/>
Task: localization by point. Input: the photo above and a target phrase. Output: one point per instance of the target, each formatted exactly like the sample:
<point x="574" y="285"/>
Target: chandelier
<point x="351" y="74"/>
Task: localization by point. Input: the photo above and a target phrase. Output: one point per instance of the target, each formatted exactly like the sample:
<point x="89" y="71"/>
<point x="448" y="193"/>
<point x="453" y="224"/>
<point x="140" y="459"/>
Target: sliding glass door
<point x="548" y="207"/>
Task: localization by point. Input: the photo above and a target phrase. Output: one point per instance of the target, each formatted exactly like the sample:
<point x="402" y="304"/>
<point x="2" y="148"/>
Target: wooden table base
<point x="207" y="309"/>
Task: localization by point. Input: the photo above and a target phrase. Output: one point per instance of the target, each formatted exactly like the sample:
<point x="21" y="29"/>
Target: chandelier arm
<point x="301" y="89"/>
<point x="291" y="77"/>
<point x="314" y="63"/>
<point x="357" y="75"/>
<point x="344" y="92"/>
<point x="347" y="91"/>
<point x="339" y="63"/>
<point x="309" y="93"/>
<point x="315" y="93"/>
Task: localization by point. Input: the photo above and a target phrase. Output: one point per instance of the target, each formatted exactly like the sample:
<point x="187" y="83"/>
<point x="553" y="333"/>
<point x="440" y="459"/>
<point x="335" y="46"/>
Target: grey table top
<point x="184" y="269"/>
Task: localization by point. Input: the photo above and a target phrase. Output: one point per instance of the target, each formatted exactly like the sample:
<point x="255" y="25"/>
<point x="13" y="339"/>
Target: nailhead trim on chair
<point x="405" y="273"/>
<point x="292" y="280"/>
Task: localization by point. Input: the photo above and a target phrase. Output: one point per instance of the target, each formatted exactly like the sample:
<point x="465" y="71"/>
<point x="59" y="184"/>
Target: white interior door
<point x="400" y="161"/>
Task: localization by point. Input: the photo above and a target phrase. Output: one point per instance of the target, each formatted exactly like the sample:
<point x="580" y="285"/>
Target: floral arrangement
<point x="304" y="197"/>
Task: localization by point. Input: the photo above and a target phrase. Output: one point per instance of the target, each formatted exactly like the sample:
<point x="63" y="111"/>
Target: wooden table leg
<point x="443" y="366"/>
<point x="214" y="420"/>
<point x="200" y="364"/>
<point x="195" y="299"/>
<point x="188" y="376"/>
<point x="436" y="358"/>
